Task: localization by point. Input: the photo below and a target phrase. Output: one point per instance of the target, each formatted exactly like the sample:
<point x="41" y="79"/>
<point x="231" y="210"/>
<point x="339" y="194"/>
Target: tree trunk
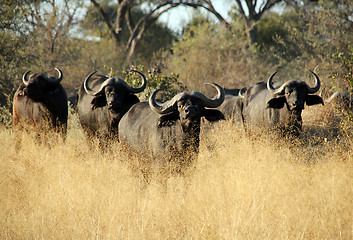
<point x="251" y="32"/>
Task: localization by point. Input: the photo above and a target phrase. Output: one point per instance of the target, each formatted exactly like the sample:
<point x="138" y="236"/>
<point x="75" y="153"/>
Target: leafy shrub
<point x="155" y="80"/>
<point x="208" y="53"/>
<point x="313" y="36"/>
<point x="347" y="74"/>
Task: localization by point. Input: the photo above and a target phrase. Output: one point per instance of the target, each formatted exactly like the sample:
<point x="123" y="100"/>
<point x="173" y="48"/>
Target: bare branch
<point x="242" y="12"/>
<point x="106" y="20"/>
<point x="266" y="6"/>
<point x="209" y="7"/>
<point x="123" y="10"/>
<point x="129" y="21"/>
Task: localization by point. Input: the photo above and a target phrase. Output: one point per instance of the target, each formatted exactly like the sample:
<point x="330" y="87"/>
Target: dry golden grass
<point x="239" y="188"/>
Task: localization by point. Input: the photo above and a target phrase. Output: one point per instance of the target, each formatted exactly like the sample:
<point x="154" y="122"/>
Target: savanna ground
<point x="240" y="188"/>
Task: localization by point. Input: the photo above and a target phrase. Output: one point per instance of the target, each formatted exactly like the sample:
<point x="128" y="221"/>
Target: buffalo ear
<point x="213" y="115"/>
<point x="99" y="101"/>
<point x="131" y="99"/>
<point x="313" y="100"/>
<point x="168" y="119"/>
<point x="21" y="93"/>
<point x="276" y="103"/>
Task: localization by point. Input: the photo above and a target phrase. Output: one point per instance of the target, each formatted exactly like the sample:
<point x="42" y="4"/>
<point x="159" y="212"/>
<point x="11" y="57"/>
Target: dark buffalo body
<point x="102" y="102"/>
<point x="40" y="104"/>
<point x="168" y="135"/>
<point x="232" y="108"/>
<point x="341" y="99"/>
<point x="279" y="108"/>
<point x="234" y="91"/>
<point x="72" y="97"/>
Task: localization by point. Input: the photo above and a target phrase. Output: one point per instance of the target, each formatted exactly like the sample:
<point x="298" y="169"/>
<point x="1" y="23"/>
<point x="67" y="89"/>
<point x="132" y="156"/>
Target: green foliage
<point x="271" y="27"/>
<point x="347" y="62"/>
<point x="10" y="15"/>
<point x="196" y="55"/>
<point x="5" y="116"/>
<point x="156" y="37"/>
<point x="170" y="84"/>
<point x="12" y="57"/>
<point x="197" y="19"/>
<point x="293" y="42"/>
<point x="93" y="24"/>
<point x="346" y="58"/>
<point x="314" y="35"/>
<point x="208" y="53"/>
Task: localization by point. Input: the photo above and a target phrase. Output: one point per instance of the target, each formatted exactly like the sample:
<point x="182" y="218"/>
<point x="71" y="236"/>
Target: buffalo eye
<point x="289" y="91"/>
<point x="108" y="90"/>
<point x="180" y="106"/>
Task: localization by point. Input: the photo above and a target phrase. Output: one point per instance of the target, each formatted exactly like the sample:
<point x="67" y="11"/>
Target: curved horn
<point x="339" y="96"/>
<point x="242" y="92"/>
<point x="332" y="97"/>
<point x="170" y="105"/>
<point x="270" y="86"/>
<point x="85" y="85"/>
<point x="164" y="108"/>
<point x="131" y="89"/>
<point x="54" y="80"/>
<point x="25" y="78"/>
<point x="317" y="84"/>
<point x="216" y="101"/>
<point x="60" y="74"/>
<point x="89" y="91"/>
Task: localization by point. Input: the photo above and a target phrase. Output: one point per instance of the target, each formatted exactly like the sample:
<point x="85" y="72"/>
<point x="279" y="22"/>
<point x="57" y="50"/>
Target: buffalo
<point x="72" y="98"/>
<point x="342" y="100"/>
<point x="167" y="135"/>
<point x="234" y="91"/>
<point x="279" y="108"/>
<point x="40" y="104"/>
<point x="232" y="107"/>
<point x="102" y="102"/>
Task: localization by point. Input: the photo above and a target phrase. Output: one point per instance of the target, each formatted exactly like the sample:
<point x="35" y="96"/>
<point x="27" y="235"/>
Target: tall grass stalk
<point x="239" y="188"/>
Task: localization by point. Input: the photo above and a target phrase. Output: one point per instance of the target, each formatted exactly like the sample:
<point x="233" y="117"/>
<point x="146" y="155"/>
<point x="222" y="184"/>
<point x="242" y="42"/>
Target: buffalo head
<point x="293" y="94"/>
<point x="38" y="85"/>
<point x="188" y="107"/>
<point x="112" y="93"/>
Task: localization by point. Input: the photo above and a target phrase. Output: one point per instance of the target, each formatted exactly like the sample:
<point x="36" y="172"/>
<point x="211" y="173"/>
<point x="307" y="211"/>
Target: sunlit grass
<point x="239" y="188"/>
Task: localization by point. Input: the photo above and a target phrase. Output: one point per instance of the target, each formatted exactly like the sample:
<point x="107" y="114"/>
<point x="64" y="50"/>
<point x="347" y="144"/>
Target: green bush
<point x="209" y="53"/>
<point x="346" y="73"/>
<point x="170" y="84"/>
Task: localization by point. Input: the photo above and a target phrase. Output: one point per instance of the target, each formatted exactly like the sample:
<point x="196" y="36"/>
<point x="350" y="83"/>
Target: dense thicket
<point x="292" y="42"/>
<point x="41" y="35"/>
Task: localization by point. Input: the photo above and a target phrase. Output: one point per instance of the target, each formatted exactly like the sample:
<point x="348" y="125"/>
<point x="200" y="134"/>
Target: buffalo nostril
<point x="297" y="103"/>
<point x="110" y="105"/>
<point x="113" y="105"/>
